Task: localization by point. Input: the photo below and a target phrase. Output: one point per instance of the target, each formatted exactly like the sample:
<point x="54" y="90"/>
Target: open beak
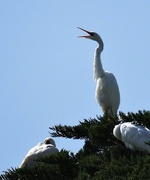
<point x="86" y="32"/>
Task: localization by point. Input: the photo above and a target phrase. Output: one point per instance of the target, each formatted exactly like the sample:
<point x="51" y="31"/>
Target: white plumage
<point x="107" y="90"/>
<point x="134" y="136"/>
<point x="40" y="150"/>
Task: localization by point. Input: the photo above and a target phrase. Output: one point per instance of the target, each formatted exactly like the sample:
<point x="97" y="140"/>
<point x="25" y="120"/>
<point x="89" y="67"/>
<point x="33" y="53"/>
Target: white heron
<point x="107" y="90"/>
<point x="135" y="137"/>
<point x="40" y="150"/>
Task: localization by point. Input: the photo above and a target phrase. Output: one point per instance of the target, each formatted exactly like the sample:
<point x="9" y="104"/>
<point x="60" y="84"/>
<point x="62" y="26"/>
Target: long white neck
<point x="98" y="69"/>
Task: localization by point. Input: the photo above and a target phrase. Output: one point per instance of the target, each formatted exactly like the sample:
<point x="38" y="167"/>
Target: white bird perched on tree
<point x="135" y="137"/>
<point x="107" y="90"/>
<point x="40" y="150"/>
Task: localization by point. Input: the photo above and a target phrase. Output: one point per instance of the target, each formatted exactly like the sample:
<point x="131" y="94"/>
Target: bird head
<point x="117" y="132"/>
<point x="93" y="36"/>
<point x="49" y="141"/>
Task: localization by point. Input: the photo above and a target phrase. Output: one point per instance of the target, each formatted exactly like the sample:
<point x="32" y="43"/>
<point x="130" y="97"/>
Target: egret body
<point x="107" y="90"/>
<point x="134" y="136"/>
<point x="40" y="150"/>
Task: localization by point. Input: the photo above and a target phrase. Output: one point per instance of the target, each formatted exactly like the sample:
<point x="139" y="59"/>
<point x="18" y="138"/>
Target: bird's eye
<point x="47" y="142"/>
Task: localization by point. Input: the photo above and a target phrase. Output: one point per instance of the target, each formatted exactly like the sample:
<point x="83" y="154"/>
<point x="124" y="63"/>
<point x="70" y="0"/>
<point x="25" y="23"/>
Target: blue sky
<point x="46" y="72"/>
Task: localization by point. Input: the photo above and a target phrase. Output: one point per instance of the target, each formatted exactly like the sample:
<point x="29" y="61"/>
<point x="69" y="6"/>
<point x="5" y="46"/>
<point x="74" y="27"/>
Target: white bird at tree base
<point x="107" y="90"/>
<point x="40" y="150"/>
<point x="135" y="137"/>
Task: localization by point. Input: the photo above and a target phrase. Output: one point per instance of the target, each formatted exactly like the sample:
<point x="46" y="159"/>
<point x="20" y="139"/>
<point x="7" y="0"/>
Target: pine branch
<point x="80" y="131"/>
<point x="142" y="117"/>
<point x="102" y="156"/>
<point x="75" y="132"/>
<point x="98" y="131"/>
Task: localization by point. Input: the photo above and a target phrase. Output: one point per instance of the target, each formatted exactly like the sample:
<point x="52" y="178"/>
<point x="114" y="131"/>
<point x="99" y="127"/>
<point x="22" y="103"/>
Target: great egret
<point x="135" y="137"/>
<point x="40" y="150"/>
<point x="107" y="90"/>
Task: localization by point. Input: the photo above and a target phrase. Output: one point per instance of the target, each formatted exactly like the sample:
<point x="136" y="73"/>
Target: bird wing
<point x="107" y="92"/>
<point x="36" y="152"/>
<point x="113" y="86"/>
<point x="135" y="136"/>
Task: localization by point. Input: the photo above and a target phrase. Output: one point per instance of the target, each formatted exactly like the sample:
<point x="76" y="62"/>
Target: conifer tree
<point x="101" y="157"/>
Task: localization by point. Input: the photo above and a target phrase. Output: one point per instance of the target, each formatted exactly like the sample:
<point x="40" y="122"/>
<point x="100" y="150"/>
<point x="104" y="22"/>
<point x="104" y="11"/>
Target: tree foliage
<point x="101" y="157"/>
